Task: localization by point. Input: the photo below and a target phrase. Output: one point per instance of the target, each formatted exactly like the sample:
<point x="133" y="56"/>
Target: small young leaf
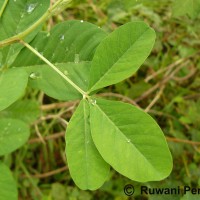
<point x="130" y="141"/>
<point x="87" y="167"/>
<point x="13" y="83"/>
<point x="8" y="186"/>
<point x="44" y="78"/>
<point x="120" y="54"/>
<point x="13" y="134"/>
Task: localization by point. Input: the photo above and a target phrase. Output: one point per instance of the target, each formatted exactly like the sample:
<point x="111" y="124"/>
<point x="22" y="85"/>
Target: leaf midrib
<point x="86" y="138"/>
<point x="124" y="136"/>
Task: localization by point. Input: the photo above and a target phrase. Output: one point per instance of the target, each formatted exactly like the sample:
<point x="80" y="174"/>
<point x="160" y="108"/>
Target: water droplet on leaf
<point x="62" y="37"/>
<point x="66" y="72"/>
<point x="93" y="101"/>
<point x="128" y="140"/>
<point x="31" y="7"/>
<point x="34" y="75"/>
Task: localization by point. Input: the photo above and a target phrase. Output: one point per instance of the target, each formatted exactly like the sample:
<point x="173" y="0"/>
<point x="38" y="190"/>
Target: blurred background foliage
<point x="167" y="86"/>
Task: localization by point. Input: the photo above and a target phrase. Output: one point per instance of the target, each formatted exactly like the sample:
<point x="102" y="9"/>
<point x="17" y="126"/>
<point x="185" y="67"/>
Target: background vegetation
<point x="167" y="86"/>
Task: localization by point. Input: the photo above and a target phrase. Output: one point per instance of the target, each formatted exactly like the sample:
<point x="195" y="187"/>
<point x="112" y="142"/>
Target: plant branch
<point x="54" y="68"/>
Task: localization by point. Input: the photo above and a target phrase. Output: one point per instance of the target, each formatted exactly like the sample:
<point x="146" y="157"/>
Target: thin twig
<point x="163" y="81"/>
<point x="192" y="96"/>
<point x="156" y="98"/>
<point x="64" y="122"/>
<point x="124" y="98"/>
<point x="188" y="76"/>
<point x="171" y="66"/>
<point x="39" y="134"/>
<point x="171" y="139"/>
<point x="186" y="165"/>
<point x="27" y="175"/>
<point x="50" y="137"/>
<point x="57" y="105"/>
<point x="51" y="173"/>
<point x="44" y="118"/>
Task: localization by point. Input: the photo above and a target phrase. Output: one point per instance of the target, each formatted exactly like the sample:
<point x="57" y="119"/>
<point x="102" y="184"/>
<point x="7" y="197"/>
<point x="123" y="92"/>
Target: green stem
<point x="30" y="179"/>
<point x="57" y="4"/>
<point x="23" y="34"/>
<point x="3" y="7"/>
<point x="53" y="67"/>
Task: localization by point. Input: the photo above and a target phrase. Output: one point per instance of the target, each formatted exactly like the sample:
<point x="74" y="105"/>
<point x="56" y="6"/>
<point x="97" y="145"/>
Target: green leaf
<point x="17" y="17"/>
<point x="20" y="15"/>
<point x="70" y="41"/>
<point x="8" y="187"/>
<point x="12" y="86"/>
<point x="46" y="79"/>
<point x="120" y="54"/>
<point x="13" y="134"/>
<point x="130" y="141"/>
<point x="26" y="110"/>
<point x="190" y="7"/>
<point x="86" y="166"/>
